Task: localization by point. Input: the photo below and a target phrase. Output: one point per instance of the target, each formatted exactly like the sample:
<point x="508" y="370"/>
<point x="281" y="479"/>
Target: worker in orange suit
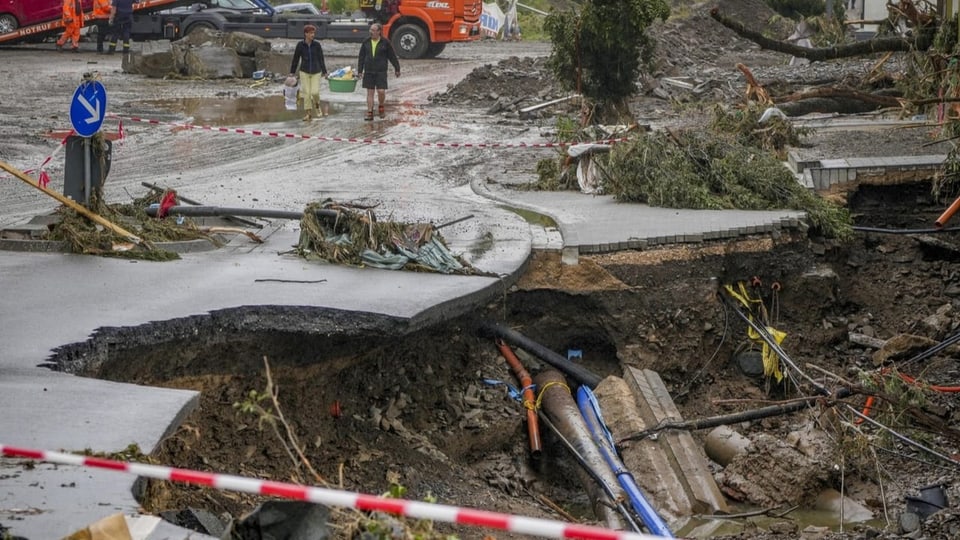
<point x="72" y="22"/>
<point x="101" y="17"/>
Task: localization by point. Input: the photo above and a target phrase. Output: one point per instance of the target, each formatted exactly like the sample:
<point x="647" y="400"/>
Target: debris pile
<point x="505" y="87"/>
<point x="87" y="237"/>
<point x="351" y="235"/>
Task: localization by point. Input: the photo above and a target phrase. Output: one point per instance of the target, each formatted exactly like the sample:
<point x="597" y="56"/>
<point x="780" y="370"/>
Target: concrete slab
<point x="671" y="468"/>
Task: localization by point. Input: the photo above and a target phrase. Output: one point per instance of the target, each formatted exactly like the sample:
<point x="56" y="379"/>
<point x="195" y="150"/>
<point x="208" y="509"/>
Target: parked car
<point x="300" y="8"/>
<point x="14" y="13"/>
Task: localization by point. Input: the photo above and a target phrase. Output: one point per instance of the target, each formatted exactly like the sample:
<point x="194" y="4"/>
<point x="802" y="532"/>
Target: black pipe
<point x="906" y="231"/>
<point x="579" y="373"/>
<point x="198" y="203"/>
<point x="211" y="211"/>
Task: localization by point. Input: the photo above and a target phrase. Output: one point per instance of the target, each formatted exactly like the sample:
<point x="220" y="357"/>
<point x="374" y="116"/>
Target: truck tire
<point x="434" y="50"/>
<point x="410" y="41"/>
<point x="8" y="23"/>
<point x="198" y="25"/>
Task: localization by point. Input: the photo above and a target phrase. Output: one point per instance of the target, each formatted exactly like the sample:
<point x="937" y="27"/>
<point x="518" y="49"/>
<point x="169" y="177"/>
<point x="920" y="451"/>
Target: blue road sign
<point x="88" y="107"/>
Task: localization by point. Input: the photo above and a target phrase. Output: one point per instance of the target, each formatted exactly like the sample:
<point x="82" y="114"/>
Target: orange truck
<point x="422" y="28"/>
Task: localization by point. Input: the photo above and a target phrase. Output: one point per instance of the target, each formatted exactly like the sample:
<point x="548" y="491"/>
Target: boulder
<point x="202" y="37"/>
<point x="901" y="346"/>
<point x="152" y="58"/>
<point x="276" y="61"/>
<point x="211" y="63"/>
<point x="245" y="44"/>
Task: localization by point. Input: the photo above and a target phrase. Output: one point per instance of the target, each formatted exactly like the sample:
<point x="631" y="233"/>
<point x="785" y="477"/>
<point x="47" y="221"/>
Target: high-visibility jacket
<point x="101" y="9"/>
<point x="72" y="12"/>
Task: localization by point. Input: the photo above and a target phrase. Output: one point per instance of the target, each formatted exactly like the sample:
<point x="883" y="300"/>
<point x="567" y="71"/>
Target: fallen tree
<point x="921" y="42"/>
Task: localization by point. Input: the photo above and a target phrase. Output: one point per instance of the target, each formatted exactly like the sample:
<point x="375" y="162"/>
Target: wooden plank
<point x="80" y="209"/>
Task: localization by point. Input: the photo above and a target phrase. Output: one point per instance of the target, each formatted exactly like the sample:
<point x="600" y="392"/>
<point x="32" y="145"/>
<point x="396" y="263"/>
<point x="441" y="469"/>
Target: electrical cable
<point x="906" y="231"/>
<point x="627" y="514"/>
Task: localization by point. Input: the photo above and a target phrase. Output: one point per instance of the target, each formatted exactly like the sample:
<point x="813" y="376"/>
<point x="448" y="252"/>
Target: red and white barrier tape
<point x="332" y="497"/>
<point x="44" y="179"/>
<point x="382" y="142"/>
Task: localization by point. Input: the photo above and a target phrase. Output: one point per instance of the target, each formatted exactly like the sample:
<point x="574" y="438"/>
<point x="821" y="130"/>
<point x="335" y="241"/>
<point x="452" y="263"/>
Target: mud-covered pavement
<point x="245" y="170"/>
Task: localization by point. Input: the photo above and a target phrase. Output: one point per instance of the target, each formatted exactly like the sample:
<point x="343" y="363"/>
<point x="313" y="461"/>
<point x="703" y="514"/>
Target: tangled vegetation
<point x="703" y="171"/>
<point x="735" y="164"/>
<point x="936" y="72"/>
<point x="352" y="235"/>
<point x="86" y="237"/>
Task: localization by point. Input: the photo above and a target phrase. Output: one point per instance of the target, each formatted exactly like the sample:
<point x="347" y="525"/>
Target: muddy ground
<point x="371" y="410"/>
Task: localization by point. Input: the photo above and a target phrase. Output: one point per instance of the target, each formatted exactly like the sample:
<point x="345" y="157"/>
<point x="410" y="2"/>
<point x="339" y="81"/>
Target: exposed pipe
<point x="218" y="211"/>
<point x="947" y="214"/>
<point x="558" y="405"/>
<point x="583" y="467"/>
<point x="198" y="203"/>
<point x="590" y="410"/>
<point x="905" y="231"/>
<point x="578" y="373"/>
<point x="529" y="400"/>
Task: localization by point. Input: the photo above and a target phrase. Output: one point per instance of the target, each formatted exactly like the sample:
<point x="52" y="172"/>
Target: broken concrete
<point x="670" y="468"/>
<point x="203" y="53"/>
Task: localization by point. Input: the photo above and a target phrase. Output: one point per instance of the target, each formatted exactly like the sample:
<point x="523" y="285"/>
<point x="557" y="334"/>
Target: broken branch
<point x="849" y="93"/>
<point x="921" y="42"/>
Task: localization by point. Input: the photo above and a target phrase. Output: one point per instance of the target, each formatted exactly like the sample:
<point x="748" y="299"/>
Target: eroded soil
<point x="415" y="409"/>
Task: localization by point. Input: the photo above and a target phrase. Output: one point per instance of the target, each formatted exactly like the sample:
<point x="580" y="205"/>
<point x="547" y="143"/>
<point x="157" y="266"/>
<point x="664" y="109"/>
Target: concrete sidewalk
<point x="55" y="411"/>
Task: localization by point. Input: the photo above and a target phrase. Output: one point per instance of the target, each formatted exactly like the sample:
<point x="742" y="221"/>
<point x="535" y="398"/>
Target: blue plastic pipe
<point x="590" y="410"/>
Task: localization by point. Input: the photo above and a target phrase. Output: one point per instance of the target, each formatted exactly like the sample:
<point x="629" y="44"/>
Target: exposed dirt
<point x="374" y="408"/>
<point x="415" y="410"/>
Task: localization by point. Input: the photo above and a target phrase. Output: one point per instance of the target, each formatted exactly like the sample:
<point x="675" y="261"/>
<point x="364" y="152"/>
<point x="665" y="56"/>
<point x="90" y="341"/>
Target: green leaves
<point x="601" y="49"/>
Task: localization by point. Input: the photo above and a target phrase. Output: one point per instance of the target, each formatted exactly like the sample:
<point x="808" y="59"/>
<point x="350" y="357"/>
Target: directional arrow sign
<point x="88" y="107"/>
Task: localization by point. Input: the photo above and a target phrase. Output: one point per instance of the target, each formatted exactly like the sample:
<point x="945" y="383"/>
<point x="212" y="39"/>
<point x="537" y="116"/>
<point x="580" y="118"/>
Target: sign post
<point x="87" y="109"/>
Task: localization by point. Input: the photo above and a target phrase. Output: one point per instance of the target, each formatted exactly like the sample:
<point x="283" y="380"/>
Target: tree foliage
<point x="601" y="49"/>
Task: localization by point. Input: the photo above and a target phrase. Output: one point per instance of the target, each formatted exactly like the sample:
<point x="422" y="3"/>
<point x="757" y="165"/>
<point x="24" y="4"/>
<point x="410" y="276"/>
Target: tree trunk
<point x="922" y="42"/>
<point x="612" y="113"/>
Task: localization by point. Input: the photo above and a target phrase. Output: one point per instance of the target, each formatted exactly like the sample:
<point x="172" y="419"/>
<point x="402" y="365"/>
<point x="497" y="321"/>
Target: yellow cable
<point x="544" y="389"/>
<point x="771" y="362"/>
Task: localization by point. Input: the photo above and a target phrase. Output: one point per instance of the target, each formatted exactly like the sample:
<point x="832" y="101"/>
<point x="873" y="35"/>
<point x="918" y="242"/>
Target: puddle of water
<point x="532" y="217"/>
<point x="236" y="111"/>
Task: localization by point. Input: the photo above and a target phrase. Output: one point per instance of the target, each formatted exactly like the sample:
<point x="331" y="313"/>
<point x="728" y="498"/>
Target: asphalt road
<point x="48" y="301"/>
<point x="243" y="170"/>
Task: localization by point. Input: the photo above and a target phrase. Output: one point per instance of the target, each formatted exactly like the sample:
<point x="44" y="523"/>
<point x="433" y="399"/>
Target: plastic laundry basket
<point x="342" y="85"/>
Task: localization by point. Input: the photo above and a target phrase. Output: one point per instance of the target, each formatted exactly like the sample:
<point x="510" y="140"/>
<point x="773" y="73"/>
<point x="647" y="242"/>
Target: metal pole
<point x="86" y="171"/>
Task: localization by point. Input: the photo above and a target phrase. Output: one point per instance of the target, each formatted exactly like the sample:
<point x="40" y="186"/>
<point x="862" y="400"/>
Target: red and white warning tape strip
<point x="44" y="179"/>
<point x="332" y="497"/>
<point x="383" y="142"/>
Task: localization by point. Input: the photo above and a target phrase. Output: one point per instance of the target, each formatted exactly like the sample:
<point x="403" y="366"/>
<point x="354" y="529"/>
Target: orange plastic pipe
<point x="529" y="400"/>
<point x="947" y="214"/>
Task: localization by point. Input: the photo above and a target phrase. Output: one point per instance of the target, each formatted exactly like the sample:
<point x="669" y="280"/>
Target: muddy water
<point x="232" y="169"/>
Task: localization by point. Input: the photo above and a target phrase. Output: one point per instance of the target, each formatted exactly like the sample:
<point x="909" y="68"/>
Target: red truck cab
<point x="18" y="13"/>
<point x="421" y="28"/>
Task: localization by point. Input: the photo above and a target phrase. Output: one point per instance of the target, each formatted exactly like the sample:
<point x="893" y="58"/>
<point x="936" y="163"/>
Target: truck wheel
<point x="410" y="41"/>
<point x="434" y="50"/>
<point x="8" y="23"/>
<point x="198" y="25"/>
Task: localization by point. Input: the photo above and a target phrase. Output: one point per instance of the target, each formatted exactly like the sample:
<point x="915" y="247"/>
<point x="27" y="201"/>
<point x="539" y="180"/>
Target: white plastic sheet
<point x="492" y="20"/>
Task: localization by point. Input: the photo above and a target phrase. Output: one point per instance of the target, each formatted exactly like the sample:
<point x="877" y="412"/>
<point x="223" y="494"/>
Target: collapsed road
<point x="411" y="404"/>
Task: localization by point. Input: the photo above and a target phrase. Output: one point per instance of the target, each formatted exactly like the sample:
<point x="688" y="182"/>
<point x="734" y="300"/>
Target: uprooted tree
<point x="600" y="50"/>
<point x="930" y="84"/>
